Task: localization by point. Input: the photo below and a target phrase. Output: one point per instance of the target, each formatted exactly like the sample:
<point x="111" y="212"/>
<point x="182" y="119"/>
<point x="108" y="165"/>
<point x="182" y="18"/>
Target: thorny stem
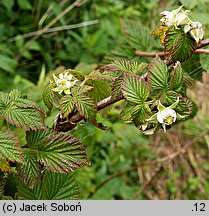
<point x="110" y="100"/>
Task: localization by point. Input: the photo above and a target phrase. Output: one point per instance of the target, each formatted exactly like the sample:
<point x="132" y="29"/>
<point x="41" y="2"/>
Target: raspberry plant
<point x="155" y="98"/>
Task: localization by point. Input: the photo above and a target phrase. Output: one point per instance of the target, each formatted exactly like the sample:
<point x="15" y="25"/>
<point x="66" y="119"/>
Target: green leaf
<point x="138" y="35"/>
<point x="58" y="152"/>
<point x="34" y="137"/>
<point x="48" y="96"/>
<point x="180" y="45"/>
<point x="193" y="67"/>
<point x="86" y="107"/>
<point x="126" y="66"/>
<point x="76" y="73"/>
<point x="184" y="107"/>
<point x="135" y="89"/>
<point x="7" y="63"/>
<point x="117" y="86"/>
<point x="158" y="75"/>
<point x="55" y="186"/>
<point x="171" y="38"/>
<point x="59" y="186"/>
<point x="101" y="90"/>
<point x="9" y="147"/>
<point x="24" y="4"/>
<point x="27" y="193"/>
<point x="29" y="172"/>
<point x="142" y="112"/>
<point x="83" y="89"/>
<point x="4" y="166"/>
<point x="66" y="105"/>
<point x="21" y="112"/>
<point x="8" y="4"/>
<point x="176" y="77"/>
<point x="127" y="112"/>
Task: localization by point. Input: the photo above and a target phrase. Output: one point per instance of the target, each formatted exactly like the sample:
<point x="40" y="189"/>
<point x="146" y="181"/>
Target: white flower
<point x="196" y="31"/>
<point x="64" y="83"/>
<point x="182" y="18"/>
<point x="165" y="115"/>
<point x="179" y="18"/>
<point x="175" y="17"/>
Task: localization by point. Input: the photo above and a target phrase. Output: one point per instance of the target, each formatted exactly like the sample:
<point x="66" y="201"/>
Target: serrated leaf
<point x="101" y="90"/>
<point x="127" y="66"/>
<point x="55" y="186"/>
<point x="27" y="193"/>
<point x="138" y="35"/>
<point x="34" y="137"/>
<point x="29" y="172"/>
<point x="176" y="77"/>
<point x="171" y="38"/>
<point x="127" y="112"/>
<point x="26" y="118"/>
<point x="117" y="86"/>
<point x="158" y="75"/>
<point x="4" y="165"/>
<point x="61" y="153"/>
<point x="184" y="107"/>
<point x="58" y="152"/>
<point x="48" y="96"/>
<point x="76" y="73"/>
<point x="83" y="89"/>
<point x="66" y="105"/>
<point x="135" y="89"/>
<point x="59" y="186"/>
<point x="86" y="107"/>
<point x="180" y="45"/>
<point x="9" y="147"/>
<point x="21" y="112"/>
<point x="142" y="112"/>
<point x="193" y="67"/>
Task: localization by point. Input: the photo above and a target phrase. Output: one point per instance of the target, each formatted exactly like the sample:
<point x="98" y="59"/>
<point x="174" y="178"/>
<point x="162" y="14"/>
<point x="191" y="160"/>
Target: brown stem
<point x="162" y="54"/>
<point x="63" y="125"/>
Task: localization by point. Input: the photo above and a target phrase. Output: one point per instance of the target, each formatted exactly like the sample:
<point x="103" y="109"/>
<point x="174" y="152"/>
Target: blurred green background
<point x="98" y="34"/>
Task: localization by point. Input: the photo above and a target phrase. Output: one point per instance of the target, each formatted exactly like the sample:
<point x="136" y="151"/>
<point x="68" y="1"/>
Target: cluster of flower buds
<point x="179" y="19"/>
<point x="64" y="83"/>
